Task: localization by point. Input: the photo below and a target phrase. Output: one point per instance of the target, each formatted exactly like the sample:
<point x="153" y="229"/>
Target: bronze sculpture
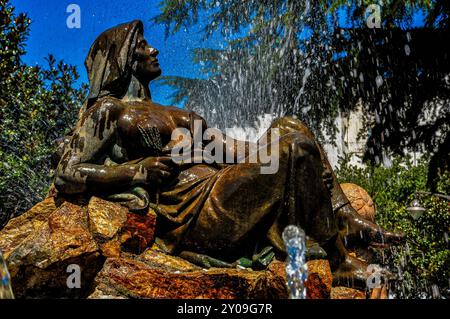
<point x="120" y="150"/>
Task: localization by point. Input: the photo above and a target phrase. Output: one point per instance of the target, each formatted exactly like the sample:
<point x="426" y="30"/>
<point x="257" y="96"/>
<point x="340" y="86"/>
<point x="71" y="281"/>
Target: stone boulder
<point x="346" y="293"/>
<point x="156" y="275"/>
<point x="115" y="253"/>
<point x="319" y="280"/>
<point x="39" y="245"/>
<point x="136" y="278"/>
<point x="360" y="200"/>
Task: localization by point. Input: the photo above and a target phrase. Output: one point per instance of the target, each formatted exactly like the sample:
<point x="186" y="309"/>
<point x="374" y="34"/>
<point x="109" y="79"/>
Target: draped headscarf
<point x="109" y="63"/>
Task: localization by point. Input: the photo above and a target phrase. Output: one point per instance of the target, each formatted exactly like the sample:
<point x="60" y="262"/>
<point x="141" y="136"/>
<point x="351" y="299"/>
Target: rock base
<point x="110" y="247"/>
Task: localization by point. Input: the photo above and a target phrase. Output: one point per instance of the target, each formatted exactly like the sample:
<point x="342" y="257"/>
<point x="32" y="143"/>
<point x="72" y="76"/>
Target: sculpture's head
<point x="116" y="55"/>
<point x="146" y="65"/>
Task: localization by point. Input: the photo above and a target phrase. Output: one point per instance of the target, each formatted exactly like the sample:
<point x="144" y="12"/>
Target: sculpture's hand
<point x="155" y="170"/>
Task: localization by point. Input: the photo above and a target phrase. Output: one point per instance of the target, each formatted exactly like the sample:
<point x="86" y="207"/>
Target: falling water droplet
<point x="361" y="77"/>
<point x="408" y="36"/>
<point x="407" y="50"/>
<point x="379" y="81"/>
<point x="436" y="294"/>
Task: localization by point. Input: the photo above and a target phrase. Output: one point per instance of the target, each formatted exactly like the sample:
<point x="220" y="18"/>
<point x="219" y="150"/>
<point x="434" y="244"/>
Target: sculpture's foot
<point x="258" y="261"/>
<point x="350" y="271"/>
<point x="358" y="231"/>
<point x="314" y="250"/>
<point x="262" y="259"/>
<point x="204" y="261"/>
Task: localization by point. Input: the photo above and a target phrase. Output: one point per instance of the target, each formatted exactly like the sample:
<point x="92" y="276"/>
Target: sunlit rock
<point x="117" y="258"/>
<point x="38" y="262"/>
<point x="105" y="218"/>
<point x="346" y="293"/>
<point x="133" y="278"/>
<point x="360" y="200"/>
<point x="19" y="228"/>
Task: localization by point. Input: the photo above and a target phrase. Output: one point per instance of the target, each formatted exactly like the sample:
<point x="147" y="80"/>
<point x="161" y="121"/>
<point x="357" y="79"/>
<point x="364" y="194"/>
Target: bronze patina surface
<point x="120" y="150"/>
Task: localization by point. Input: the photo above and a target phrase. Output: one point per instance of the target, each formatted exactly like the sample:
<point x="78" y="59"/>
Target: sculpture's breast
<point x="144" y="131"/>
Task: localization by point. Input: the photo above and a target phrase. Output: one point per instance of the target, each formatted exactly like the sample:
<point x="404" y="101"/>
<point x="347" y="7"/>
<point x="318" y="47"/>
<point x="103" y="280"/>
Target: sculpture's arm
<point x="79" y="169"/>
<point x="78" y="177"/>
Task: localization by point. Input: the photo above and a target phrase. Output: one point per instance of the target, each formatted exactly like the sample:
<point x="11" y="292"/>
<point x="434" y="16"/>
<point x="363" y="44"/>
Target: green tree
<point x="401" y="72"/>
<point x="298" y="58"/>
<point x="37" y="106"/>
<point x="265" y="67"/>
<point x="423" y="263"/>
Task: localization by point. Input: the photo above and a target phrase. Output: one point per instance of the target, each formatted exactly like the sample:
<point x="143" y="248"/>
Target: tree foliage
<point x="37" y="106"/>
<point x="424" y="261"/>
<point x="266" y="66"/>
<point x="401" y="72"/>
<point x="298" y="58"/>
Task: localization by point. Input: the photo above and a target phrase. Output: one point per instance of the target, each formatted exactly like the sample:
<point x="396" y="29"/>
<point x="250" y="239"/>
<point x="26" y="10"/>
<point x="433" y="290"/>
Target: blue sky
<point x="50" y="34"/>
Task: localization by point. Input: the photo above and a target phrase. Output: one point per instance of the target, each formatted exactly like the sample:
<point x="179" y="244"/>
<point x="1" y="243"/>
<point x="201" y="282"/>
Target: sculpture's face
<point x="147" y="67"/>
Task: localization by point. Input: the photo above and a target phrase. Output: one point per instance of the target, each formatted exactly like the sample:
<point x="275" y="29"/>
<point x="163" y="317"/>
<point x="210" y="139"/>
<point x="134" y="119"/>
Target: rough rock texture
<point x="157" y="259"/>
<point x="40" y="244"/>
<point x="113" y="248"/>
<point x="38" y="261"/>
<point x="105" y="218"/>
<point x="157" y="275"/>
<point x="138" y="232"/>
<point x="360" y="200"/>
<point x="132" y="278"/>
<point x="319" y="280"/>
<point x="21" y="227"/>
<point x="346" y="293"/>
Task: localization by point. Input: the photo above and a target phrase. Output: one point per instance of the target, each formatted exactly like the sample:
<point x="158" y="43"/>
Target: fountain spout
<point x="296" y="268"/>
